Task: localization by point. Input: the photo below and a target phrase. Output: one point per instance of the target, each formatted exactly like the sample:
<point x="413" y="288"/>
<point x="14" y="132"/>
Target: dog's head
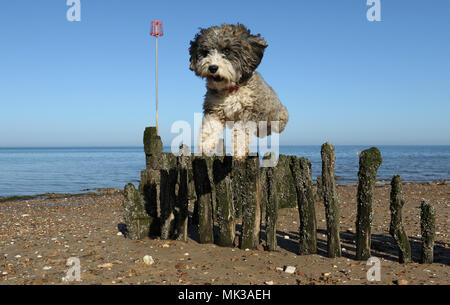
<point x="226" y="55"/>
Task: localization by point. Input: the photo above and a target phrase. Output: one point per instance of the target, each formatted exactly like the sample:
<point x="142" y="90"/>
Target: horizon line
<point x="164" y="146"/>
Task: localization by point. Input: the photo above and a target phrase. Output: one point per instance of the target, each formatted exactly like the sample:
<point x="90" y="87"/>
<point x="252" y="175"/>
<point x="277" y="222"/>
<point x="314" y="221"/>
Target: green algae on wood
<point x="168" y="182"/>
<point x="222" y="167"/>
<point x="396" y="228"/>
<point x="153" y="148"/>
<point x="204" y="200"/>
<point x="251" y="204"/>
<point x="238" y="173"/>
<point x="135" y="216"/>
<point x="301" y="171"/>
<point x="285" y="185"/>
<point x="330" y="199"/>
<point x="182" y="195"/>
<point x="271" y="209"/>
<point x="428" y="231"/>
<point x="369" y="162"/>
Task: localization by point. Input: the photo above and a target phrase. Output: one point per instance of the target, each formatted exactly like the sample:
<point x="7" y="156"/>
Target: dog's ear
<point x="193" y="54"/>
<point x="258" y="45"/>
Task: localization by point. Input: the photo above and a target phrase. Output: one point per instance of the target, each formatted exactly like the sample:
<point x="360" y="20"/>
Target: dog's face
<point x="225" y="55"/>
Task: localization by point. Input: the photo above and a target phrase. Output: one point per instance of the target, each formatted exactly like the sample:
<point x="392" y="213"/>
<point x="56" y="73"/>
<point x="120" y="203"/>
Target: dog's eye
<point x="203" y="53"/>
<point x="226" y="51"/>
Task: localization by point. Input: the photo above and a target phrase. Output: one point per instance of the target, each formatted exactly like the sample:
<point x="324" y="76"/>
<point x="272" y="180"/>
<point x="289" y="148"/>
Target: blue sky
<point x="343" y="79"/>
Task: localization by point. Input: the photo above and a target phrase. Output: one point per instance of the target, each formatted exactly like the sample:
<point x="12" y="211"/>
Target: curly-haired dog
<point x="227" y="57"/>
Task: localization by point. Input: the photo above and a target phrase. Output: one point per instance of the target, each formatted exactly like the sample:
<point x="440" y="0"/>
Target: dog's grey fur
<point x="236" y="53"/>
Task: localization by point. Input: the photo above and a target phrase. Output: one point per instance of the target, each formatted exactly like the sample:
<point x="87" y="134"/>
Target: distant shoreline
<point x="168" y="147"/>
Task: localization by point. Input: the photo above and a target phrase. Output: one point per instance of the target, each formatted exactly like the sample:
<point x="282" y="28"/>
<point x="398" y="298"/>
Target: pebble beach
<point x="39" y="234"/>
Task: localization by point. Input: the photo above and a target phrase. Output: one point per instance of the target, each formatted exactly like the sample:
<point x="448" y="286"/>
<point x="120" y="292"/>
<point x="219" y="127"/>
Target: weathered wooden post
<point x="369" y="162"/>
<point x="427" y="228"/>
<point x="182" y="202"/>
<point x="301" y="171"/>
<point x="287" y="193"/>
<point x="135" y="216"/>
<point x="331" y="200"/>
<point x="153" y="148"/>
<point x="319" y="192"/>
<point x="169" y="176"/>
<point x="222" y="168"/>
<point x="149" y="187"/>
<point x="271" y="206"/>
<point x="251" y="204"/>
<point x="238" y="174"/>
<point x="396" y="228"/>
<point x="204" y="199"/>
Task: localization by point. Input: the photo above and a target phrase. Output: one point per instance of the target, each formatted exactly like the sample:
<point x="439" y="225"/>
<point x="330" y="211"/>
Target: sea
<point x="32" y="171"/>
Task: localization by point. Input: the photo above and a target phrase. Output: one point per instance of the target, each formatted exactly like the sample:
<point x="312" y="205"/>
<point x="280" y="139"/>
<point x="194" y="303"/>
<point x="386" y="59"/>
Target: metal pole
<point x="156" y="85"/>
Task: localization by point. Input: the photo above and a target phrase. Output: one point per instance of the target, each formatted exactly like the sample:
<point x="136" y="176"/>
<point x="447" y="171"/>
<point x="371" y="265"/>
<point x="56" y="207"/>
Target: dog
<point x="227" y="56"/>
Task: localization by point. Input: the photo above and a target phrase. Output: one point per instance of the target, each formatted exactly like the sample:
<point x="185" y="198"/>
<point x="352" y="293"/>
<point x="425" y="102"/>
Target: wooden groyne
<point x="235" y="204"/>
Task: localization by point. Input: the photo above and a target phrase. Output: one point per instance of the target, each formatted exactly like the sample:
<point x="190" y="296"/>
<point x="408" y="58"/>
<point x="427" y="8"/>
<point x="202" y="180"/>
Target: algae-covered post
<point x="149" y="187"/>
<point x="301" y="171"/>
<point x="369" y="162"/>
<point x="251" y="204"/>
<point x="331" y="200"/>
<point x="181" y="219"/>
<point x="222" y="167"/>
<point x="271" y="206"/>
<point x="135" y="215"/>
<point x="169" y="177"/>
<point x="427" y="228"/>
<point x="204" y="200"/>
<point x="396" y="228"/>
<point x="153" y="148"/>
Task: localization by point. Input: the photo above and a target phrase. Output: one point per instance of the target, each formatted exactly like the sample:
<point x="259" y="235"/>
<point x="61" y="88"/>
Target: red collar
<point x="234" y="88"/>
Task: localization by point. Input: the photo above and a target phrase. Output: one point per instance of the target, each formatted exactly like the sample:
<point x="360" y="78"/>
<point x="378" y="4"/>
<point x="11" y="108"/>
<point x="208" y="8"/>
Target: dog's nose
<point x="213" y="68"/>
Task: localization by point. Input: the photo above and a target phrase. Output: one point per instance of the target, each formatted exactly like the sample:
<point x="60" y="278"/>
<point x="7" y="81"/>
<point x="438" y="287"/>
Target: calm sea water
<point x="30" y="171"/>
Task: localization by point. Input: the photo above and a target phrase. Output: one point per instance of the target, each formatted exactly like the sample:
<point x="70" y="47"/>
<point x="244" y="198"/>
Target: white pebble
<point x="290" y="269"/>
<point x="148" y="260"/>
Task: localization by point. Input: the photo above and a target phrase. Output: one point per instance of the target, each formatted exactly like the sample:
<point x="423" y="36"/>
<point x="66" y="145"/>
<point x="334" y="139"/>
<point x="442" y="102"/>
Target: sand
<point x="37" y="236"/>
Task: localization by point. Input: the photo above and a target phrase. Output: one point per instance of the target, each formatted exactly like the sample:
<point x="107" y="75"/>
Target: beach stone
<point x="289" y="269"/>
<point x="148" y="260"/>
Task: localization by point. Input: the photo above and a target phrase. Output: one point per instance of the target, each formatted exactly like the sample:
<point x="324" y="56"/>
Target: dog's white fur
<point x="254" y="102"/>
<point x="251" y="102"/>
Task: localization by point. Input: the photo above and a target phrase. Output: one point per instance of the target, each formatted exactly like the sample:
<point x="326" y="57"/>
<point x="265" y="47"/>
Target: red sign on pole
<point x="157" y="28"/>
